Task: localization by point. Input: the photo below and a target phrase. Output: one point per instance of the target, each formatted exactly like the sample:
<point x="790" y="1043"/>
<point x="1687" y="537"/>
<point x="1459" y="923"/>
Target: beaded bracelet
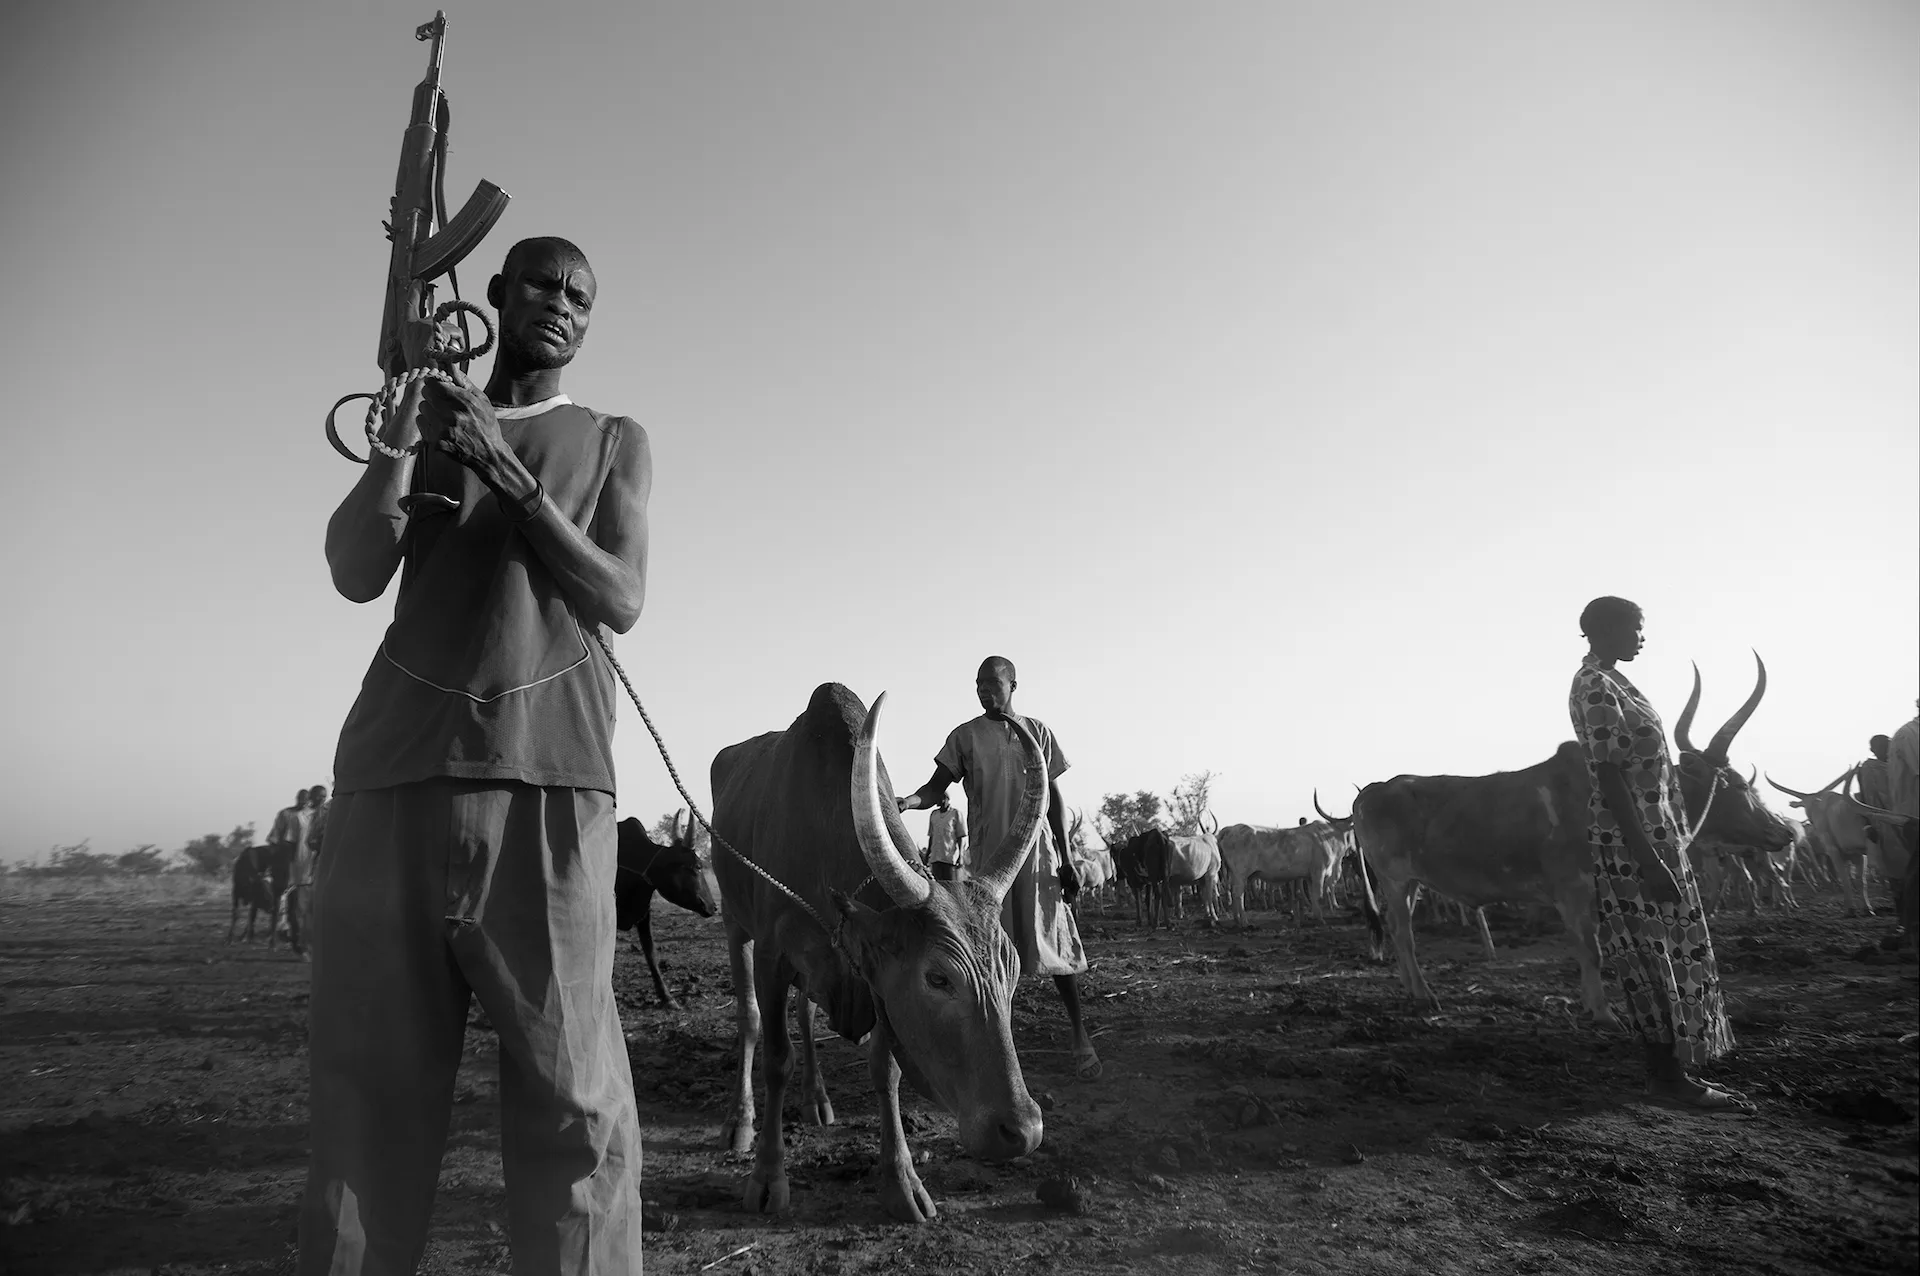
<point x="380" y="406"/>
<point x="380" y="409"/>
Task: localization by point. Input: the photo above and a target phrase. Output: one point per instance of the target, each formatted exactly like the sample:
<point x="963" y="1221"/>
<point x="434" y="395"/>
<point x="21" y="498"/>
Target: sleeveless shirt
<point x="486" y="673"/>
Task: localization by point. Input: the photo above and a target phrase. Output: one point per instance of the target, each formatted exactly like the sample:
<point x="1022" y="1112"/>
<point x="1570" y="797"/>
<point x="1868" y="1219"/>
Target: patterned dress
<point x="1660" y="952"/>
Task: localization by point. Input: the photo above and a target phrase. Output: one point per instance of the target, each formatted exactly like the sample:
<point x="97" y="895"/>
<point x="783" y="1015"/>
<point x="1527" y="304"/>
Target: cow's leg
<point x="233" y="924"/>
<point x="1583" y="934"/>
<point x="1486" y="936"/>
<point x="1783" y="883"/>
<point x="767" y="1191"/>
<point x="902" y="1194"/>
<point x="643" y="927"/>
<point x="815" y="1107"/>
<point x="736" y="1135"/>
<point x="1856" y="879"/>
<point x="1399" y="911"/>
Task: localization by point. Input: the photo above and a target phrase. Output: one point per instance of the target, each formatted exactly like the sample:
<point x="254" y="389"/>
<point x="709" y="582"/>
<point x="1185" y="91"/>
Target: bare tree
<point x="1190" y="798"/>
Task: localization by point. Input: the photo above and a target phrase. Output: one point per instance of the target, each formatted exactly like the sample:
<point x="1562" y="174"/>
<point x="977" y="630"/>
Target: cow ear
<point x="868" y="935"/>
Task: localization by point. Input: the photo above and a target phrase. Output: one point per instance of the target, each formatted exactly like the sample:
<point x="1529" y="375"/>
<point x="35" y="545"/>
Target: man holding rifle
<point x="470" y="847"/>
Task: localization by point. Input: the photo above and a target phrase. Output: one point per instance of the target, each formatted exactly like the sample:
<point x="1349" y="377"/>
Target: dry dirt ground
<point x="1271" y="1103"/>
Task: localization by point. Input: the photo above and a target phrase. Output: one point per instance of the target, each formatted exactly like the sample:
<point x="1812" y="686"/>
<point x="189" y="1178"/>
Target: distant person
<point x="299" y="896"/>
<point x="1903" y="796"/>
<point x="317" y="828"/>
<point x="289" y="829"/>
<point x="285" y="837"/>
<point x="986" y="756"/>
<point x="1652" y="930"/>
<point x="1871" y="775"/>
<point x="946" y="841"/>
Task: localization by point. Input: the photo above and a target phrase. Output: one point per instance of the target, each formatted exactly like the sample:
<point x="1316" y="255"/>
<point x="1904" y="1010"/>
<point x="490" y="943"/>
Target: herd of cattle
<point x="822" y="892"/>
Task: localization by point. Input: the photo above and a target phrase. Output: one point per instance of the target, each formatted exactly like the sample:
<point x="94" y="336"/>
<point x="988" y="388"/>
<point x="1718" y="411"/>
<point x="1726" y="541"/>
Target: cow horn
<point x="1322" y="812"/>
<point x="998" y="869"/>
<point x="1686" y="715"/>
<point x="1882" y="812"/>
<point x="878" y="840"/>
<point x="1784" y="789"/>
<point x="1723" y="738"/>
<point x="680" y="827"/>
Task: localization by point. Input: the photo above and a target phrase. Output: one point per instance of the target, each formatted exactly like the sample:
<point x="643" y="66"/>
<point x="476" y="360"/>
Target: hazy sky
<point x="1273" y="382"/>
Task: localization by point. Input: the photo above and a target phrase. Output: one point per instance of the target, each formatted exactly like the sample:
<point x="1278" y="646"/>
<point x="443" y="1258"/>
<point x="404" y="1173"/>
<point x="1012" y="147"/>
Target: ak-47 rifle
<point x="410" y="324"/>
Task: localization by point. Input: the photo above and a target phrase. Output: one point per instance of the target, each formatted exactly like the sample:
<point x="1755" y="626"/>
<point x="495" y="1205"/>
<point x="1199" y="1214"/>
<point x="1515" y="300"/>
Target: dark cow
<point x="922" y="966"/>
<point x="1521" y="837"/>
<point x="1141" y="862"/>
<point x="1155" y="863"/>
<point x="260" y="876"/>
<point x="674" y="870"/>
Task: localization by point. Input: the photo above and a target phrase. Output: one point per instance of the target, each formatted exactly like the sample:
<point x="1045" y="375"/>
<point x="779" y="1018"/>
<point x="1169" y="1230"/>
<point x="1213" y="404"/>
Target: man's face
<point x="317" y="796"/>
<point x="544" y="307"/>
<point x="300" y="798"/>
<point x="995" y="690"/>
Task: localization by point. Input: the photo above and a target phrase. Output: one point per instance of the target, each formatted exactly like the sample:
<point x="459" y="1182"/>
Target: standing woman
<point x="1652" y="931"/>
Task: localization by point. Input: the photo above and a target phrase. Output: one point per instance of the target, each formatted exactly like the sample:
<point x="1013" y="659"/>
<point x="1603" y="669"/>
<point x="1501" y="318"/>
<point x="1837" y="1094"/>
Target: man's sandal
<point x="1086" y="1063"/>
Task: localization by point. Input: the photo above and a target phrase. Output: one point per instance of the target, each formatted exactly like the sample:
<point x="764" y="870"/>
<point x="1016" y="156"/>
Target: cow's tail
<point x="1369" y="901"/>
<point x="1370" y="906"/>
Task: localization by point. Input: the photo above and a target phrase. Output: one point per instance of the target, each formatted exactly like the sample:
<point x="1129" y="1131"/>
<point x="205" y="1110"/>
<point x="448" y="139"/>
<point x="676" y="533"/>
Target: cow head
<point x="941" y="968"/>
<point x="675" y="870"/>
<point x="1342" y="827"/>
<point x="1142" y="858"/>
<point x="1735" y="815"/>
<point x="1848" y="824"/>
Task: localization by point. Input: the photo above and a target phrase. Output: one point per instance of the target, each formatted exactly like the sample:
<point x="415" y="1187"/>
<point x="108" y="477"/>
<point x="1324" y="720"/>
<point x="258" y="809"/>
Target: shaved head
<point x="997" y="665"/>
<point x="563" y="249"/>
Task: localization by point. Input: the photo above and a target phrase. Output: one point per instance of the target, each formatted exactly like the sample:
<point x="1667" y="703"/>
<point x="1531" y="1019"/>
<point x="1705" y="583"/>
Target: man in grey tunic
<point x="986" y="757"/>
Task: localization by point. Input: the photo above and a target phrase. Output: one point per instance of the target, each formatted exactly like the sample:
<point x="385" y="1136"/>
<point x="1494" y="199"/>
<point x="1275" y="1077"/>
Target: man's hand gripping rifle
<point x="416" y="339"/>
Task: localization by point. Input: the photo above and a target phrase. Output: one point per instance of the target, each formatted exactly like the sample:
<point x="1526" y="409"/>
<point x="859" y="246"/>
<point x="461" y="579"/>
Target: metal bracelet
<point x="532" y="507"/>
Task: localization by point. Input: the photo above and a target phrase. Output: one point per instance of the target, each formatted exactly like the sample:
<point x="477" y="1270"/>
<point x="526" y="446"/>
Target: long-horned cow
<point x="1736" y="819"/>
<point x="1846" y="830"/>
<point x="1521" y="837"/>
<point x="922" y="966"/>
<point x="1309" y="853"/>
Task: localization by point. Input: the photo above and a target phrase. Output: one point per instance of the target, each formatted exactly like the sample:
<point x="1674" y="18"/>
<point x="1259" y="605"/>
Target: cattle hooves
<point x="766" y="1196"/>
<point x="907" y="1199"/>
<point x="819" y="1111"/>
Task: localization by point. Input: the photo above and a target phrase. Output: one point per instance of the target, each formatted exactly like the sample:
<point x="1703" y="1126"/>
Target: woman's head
<point x="1612" y="627"/>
